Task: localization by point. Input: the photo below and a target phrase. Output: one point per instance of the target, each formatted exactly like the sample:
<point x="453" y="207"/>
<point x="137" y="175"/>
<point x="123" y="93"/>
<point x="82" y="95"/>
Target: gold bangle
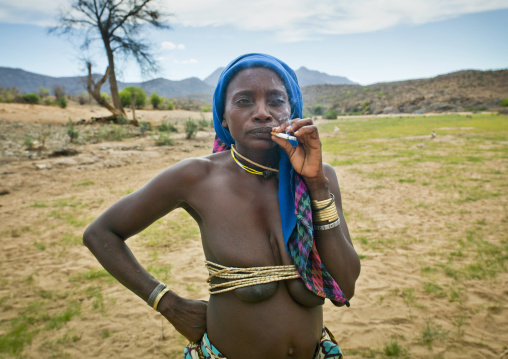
<point x="320" y="205"/>
<point x="159" y="297"/>
<point x="328" y="215"/>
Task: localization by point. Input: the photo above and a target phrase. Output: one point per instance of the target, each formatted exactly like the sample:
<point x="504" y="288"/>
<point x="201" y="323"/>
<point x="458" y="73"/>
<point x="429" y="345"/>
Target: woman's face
<point x="256" y="101"/>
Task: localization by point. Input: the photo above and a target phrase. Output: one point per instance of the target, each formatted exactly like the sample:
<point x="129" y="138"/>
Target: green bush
<point x="203" y="124"/>
<point x="121" y="120"/>
<point x="43" y="92"/>
<point x="504" y="102"/>
<point x="72" y="131"/>
<point x="206" y="108"/>
<point x="191" y="128"/>
<point x="144" y="127"/>
<point x="62" y="102"/>
<point x="29" y="142"/>
<point x="31" y="98"/>
<point x="48" y="101"/>
<point x="318" y="110"/>
<point x="166" y="126"/>
<point x="139" y="96"/>
<point x="59" y="91"/>
<point x="331" y="114"/>
<point x="170" y="106"/>
<point x="164" y="140"/>
<point x="156" y="100"/>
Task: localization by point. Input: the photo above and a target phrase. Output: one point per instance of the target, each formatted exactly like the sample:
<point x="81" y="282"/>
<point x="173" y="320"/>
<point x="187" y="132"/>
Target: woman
<point x="268" y="206"/>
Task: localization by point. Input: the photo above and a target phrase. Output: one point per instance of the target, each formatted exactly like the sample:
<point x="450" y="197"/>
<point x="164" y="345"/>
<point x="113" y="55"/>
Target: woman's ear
<point x="224" y="123"/>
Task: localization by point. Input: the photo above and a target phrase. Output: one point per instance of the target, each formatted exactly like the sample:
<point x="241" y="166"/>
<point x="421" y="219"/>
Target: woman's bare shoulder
<point x="192" y="170"/>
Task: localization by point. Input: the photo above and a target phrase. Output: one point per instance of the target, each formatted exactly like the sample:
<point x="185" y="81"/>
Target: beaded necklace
<point x="267" y="173"/>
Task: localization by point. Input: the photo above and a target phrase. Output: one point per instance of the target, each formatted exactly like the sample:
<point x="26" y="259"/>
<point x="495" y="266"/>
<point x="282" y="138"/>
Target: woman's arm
<point x="106" y="236"/>
<point x="334" y="245"/>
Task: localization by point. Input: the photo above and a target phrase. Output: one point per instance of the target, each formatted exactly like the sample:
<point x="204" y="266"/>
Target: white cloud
<point x="293" y="20"/>
<point x="289" y="20"/>
<point x="167" y="45"/>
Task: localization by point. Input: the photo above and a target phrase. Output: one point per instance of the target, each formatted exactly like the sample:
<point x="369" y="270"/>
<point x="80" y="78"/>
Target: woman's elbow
<point x="89" y="236"/>
<point x="354" y="273"/>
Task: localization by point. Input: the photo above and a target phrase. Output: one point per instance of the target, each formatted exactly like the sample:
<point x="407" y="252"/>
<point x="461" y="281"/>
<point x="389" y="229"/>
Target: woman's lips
<point x="262" y="132"/>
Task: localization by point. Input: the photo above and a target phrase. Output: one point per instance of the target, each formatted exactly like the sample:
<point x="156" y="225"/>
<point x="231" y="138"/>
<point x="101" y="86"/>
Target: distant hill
<point x="308" y="77"/>
<point x="458" y="91"/>
<point x="27" y="82"/>
<point x="305" y="77"/>
<point x="213" y="78"/>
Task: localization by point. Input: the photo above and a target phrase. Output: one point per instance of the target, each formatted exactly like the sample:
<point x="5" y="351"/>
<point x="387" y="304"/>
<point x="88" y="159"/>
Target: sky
<point x="367" y="41"/>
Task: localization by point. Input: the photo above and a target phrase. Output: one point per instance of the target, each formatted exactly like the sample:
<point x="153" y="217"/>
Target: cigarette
<point x="284" y="136"/>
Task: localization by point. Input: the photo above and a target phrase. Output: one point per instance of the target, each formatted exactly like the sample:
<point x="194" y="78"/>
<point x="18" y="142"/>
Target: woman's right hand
<point x="186" y="315"/>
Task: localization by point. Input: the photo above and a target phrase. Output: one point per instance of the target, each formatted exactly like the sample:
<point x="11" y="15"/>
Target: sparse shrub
<point x="504" y="102"/>
<point x="28" y="142"/>
<point x="170" y="106"/>
<point x="167" y="126"/>
<point x="121" y="120"/>
<point x="31" y="98"/>
<point x="164" y="140"/>
<point x="62" y="102"/>
<point x="318" y="110"/>
<point x="84" y="98"/>
<point x="112" y="133"/>
<point x="72" y="131"/>
<point x="59" y="91"/>
<point x="156" y="100"/>
<point x="206" y="108"/>
<point x="139" y="96"/>
<point x="48" y="102"/>
<point x="145" y="127"/>
<point x="43" y="92"/>
<point x="331" y="114"/>
<point x="8" y="95"/>
<point x="203" y="124"/>
<point x="191" y="128"/>
<point x="393" y="349"/>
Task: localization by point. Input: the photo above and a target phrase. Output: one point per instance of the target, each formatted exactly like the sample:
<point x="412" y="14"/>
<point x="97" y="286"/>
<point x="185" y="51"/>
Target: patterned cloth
<point x="302" y="249"/>
<point x="294" y="201"/>
<point x="327" y="348"/>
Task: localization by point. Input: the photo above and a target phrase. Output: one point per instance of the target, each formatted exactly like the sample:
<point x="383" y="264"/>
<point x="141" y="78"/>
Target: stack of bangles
<point x="325" y="212"/>
<point x="157" y="294"/>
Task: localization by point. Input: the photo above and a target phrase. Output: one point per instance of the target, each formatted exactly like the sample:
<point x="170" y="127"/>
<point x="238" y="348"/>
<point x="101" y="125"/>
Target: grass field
<point x="428" y="216"/>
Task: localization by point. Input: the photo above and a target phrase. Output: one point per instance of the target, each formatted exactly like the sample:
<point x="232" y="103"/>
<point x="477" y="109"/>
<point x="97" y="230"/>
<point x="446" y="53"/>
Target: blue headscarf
<point x="288" y="77"/>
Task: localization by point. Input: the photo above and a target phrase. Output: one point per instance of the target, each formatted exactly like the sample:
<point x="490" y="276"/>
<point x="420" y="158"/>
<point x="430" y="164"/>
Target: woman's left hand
<point x="306" y="157"/>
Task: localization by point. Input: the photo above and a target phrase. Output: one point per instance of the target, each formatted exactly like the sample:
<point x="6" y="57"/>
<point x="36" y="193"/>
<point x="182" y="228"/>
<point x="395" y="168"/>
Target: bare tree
<point x="117" y="23"/>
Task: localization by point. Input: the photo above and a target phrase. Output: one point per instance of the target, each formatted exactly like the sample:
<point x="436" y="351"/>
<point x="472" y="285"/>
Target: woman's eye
<point x="277" y="102"/>
<point x="242" y="101"/>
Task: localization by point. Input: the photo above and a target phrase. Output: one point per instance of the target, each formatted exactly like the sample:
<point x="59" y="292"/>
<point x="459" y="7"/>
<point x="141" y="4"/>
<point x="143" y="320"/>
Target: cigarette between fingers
<point x="284" y="136"/>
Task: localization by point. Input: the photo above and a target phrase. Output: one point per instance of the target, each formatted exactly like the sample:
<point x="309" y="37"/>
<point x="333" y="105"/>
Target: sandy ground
<point x="46" y="273"/>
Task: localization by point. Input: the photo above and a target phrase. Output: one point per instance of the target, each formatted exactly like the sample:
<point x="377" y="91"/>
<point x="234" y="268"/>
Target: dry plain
<point x="428" y="216"/>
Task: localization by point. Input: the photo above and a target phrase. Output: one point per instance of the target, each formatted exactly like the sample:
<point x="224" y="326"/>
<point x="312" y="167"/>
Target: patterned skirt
<point x="327" y="348"/>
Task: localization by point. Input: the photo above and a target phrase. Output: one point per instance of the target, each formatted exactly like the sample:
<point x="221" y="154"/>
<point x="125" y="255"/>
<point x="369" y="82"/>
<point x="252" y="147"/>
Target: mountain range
<point x="193" y="87"/>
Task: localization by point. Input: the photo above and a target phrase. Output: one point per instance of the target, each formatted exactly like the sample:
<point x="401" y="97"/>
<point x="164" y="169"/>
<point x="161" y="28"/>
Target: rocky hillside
<point x="467" y="90"/>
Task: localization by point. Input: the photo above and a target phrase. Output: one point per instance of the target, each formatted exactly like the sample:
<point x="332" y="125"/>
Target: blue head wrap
<point x="288" y="77"/>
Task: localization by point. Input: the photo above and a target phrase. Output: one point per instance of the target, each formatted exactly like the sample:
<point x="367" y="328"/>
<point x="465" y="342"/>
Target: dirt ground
<point x="57" y="303"/>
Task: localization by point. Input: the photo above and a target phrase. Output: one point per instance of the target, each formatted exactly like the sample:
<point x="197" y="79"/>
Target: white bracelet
<point x="324" y="227"/>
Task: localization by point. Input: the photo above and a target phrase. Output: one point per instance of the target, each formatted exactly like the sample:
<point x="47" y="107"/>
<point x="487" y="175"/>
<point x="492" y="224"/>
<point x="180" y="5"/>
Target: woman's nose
<point x="262" y="113"/>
